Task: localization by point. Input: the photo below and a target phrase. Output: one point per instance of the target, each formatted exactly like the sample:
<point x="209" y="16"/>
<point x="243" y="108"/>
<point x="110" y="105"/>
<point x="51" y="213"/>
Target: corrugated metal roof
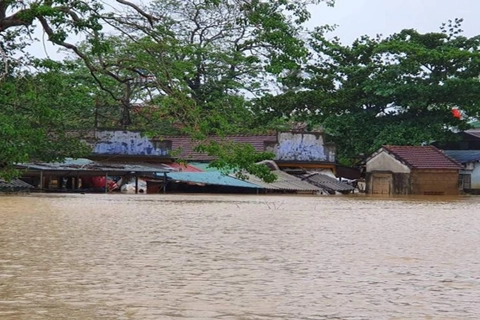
<point x="464" y="156"/>
<point x="215" y="178"/>
<point x="284" y="181"/>
<point x="184" y="167"/>
<point x="86" y="165"/>
<point x="15" y="184"/>
<point x="204" y="166"/>
<point x="326" y="182"/>
<point x="422" y="157"/>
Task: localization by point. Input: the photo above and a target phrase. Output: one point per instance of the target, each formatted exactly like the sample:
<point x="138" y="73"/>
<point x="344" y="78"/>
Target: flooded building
<point x="403" y="170"/>
<point x="470" y="173"/>
<point x="291" y="149"/>
<point x="15" y="185"/>
<point x="305" y="150"/>
<point x="466" y="150"/>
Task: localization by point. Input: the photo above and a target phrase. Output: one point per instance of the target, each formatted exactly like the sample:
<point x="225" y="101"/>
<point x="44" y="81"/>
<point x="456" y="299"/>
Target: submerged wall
<point x="126" y="143"/>
<point x="292" y="146"/>
<point x="475" y="184"/>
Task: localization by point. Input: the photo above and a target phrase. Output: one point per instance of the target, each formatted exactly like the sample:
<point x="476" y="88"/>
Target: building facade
<point x="291" y="149"/>
<point x="416" y="170"/>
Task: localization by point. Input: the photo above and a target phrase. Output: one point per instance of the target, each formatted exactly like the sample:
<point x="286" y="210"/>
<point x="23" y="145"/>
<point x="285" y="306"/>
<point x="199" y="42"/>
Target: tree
<point x="37" y="107"/>
<point x="203" y="59"/>
<point x="395" y="90"/>
<point x="38" y="112"/>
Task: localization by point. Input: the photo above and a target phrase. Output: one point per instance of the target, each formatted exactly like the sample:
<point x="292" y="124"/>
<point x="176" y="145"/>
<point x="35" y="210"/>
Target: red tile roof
<point x="185" y="145"/>
<point x="422" y="157"/>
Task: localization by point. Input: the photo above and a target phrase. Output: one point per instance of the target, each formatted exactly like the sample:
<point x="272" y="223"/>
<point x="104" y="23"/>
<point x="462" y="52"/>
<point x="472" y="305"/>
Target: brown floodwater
<point x="238" y="257"/>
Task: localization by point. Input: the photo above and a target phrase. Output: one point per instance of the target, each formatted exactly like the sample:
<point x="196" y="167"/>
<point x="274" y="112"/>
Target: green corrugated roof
<point x="202" y="166"/>
<point x="215" y="178"/>
<point x="284" y="180"/>
<point x="475" y="124"/>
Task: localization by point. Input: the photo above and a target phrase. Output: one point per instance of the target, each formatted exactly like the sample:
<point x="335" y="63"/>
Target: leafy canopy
<point x="395" y="90"/>
<point x="195" y="64"/>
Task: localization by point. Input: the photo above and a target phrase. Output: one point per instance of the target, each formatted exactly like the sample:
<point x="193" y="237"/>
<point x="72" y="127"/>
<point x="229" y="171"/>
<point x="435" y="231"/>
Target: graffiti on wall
<point x="290" y="146"/>
<point x="302" y="147"/>
<point x="127" y="143"/>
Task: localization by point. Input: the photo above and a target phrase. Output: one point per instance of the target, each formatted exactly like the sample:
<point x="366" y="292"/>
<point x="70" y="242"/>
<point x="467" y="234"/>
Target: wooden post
<point x="106" y="182"/>
<point x="41" y="180"/>
<point x="164" y="182"/>
<point x="69" y="184"/>
<point x="136" y="183"/>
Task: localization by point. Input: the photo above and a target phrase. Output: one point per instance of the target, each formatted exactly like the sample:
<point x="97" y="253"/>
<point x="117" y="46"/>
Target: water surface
<point x="238" y="257"/>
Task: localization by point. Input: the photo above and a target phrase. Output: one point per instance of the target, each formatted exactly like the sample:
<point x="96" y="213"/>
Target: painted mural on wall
<point x="126" y="142"/>
<point x="302" y="147"/>
<point x="290" y="146"/>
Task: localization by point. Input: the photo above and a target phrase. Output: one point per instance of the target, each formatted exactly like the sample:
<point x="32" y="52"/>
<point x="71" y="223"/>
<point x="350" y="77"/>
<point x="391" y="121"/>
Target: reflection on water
<point x="238" y="257"/>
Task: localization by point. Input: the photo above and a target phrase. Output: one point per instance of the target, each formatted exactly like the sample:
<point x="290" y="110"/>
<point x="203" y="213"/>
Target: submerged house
<point x="466" y="151"/>
<point x="470" y="173"/>
<point x="291" y="149"/>
<point x="306" y="150"/>
<point x="419" y="170"/>
<point x="85" y="175"/>
<point x="217" y="182"/>
<point x="466" y="140"/>
<point x="15" y="185"/>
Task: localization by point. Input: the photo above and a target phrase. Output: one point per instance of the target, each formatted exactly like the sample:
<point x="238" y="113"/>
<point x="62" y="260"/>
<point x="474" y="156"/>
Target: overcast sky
<point x="359" y="17"/>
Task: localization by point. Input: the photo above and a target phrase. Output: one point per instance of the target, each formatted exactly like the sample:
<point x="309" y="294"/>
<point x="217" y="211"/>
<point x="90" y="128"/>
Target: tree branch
<point x="151" y="19"/>
<point x="14" y="20"/>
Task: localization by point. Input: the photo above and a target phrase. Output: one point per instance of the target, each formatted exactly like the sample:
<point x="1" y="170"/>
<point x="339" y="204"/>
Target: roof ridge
<point x="405" y="155"/>
<point x="444" y="154"/>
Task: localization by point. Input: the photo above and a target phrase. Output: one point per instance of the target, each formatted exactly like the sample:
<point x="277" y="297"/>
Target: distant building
<point x="420" y="170"/>
<point x="466" y="151"/>
<point x="16" y="185"/>
<point x="291" y="149"/>
<point x="470" y="173"/>
<point x="466" y="140"/>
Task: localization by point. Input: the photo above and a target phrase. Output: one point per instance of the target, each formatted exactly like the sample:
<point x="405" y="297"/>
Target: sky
<point x="371" y="17"/>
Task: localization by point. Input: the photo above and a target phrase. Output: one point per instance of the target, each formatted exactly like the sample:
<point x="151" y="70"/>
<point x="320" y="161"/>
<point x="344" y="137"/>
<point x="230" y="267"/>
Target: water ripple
<point x="238" y="257"/>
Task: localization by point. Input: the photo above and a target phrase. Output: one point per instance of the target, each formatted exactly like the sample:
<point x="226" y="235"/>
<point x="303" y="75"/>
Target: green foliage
<point x="238" y="158"/>
<point x="37" y="111"/>
<point x="395" y="90"/>
<point x="176" y="66"/>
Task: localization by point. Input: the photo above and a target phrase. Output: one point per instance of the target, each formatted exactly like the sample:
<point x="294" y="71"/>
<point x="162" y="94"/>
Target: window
<point x="269" y="146"/>
<point x="163" y="145"/>
<point x="465" y="181"/>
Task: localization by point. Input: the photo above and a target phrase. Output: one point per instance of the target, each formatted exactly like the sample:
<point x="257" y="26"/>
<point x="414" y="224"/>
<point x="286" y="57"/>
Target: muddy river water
<point x="238" y="257"/>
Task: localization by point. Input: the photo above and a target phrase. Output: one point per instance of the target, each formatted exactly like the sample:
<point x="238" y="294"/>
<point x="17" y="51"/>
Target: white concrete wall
<point x="476" y="176"/>
<point x="290" y="147"/>
<point x="385" y="162"/>
<point x="125" y="142"/>
<point x="302" y="147"/>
